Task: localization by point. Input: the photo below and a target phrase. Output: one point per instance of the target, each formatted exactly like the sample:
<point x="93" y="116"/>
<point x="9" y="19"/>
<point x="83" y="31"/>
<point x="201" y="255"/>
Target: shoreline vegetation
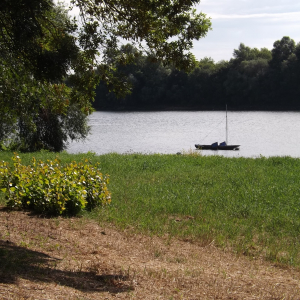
<point x="210" y="227"/>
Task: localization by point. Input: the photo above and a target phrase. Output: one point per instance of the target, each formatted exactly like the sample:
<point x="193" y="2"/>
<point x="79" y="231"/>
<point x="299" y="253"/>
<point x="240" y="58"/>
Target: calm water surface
<point x="258" y="133"/>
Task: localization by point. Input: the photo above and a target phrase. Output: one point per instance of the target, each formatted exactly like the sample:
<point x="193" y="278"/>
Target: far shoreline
<point x="196" y="108"/>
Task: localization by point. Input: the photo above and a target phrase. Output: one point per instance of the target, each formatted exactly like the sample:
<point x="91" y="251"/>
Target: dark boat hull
<point x="229" y="147"/>
<point x="210" y="147"/>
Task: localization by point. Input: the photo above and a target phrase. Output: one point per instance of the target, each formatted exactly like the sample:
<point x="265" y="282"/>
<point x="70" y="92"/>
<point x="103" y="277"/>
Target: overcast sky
<point x="256" y="23"/>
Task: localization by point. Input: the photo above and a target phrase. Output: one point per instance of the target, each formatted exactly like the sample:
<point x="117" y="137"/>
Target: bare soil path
<point x="78" y="259"/>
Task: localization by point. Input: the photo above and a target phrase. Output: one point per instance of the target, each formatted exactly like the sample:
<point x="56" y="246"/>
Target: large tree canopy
<point x="164" y="28"/>
<point x="38" y="48"/>
<point x="40" y="34"/>
<point x="51" y="64"/>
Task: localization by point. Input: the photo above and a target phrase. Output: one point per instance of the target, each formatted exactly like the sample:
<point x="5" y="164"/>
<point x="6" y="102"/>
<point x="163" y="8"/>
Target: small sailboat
<point x="222" y="146"/>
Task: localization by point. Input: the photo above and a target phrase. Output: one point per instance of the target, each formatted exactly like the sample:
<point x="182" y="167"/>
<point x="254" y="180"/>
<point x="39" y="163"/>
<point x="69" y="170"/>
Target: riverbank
<point x="219" y="107"/>
<point x="248" y="206"/>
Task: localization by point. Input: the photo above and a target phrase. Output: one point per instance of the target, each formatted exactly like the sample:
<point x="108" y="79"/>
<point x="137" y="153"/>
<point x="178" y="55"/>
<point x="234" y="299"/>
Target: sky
<point x="256" y="23"/>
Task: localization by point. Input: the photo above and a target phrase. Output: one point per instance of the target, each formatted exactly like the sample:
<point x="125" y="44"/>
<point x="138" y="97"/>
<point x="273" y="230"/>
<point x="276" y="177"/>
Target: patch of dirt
<point x="78" y="259"/>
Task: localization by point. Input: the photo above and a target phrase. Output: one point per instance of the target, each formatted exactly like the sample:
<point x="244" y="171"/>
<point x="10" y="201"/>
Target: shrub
<point x="52" y="188"/>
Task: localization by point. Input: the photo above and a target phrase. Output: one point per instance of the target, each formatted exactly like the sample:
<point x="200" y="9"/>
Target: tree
<point x="165" y="28"/>
<point x="281" y="51"/>
<point x="41" y="49"/>
<point x="40" y="35"/>
<point x="245" y="53"/>
<point x="36" y="106"/>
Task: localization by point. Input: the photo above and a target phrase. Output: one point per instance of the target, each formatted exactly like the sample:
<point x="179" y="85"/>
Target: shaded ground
<point x="78" y="259"/>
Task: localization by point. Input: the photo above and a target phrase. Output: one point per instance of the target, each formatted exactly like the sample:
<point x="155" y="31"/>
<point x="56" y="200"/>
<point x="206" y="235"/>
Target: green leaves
<point x="38" y="49"/>
<point x="41" y="48"/>
<point x="155" y="24"/>
<point x="51" y="188"/>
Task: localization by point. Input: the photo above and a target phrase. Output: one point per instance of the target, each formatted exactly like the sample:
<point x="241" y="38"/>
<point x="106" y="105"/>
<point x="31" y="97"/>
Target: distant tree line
<point x="254" y="79"/>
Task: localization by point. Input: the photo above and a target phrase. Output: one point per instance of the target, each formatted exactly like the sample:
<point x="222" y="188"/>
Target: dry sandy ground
<point x="78" y="259"/>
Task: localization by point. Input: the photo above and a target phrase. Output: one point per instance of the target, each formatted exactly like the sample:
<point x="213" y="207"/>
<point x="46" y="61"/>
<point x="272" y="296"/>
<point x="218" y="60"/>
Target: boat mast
<point x="226" y="127"/>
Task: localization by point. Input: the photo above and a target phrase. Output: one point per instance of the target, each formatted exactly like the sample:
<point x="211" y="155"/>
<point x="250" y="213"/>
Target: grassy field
<point x="249" y="206"/>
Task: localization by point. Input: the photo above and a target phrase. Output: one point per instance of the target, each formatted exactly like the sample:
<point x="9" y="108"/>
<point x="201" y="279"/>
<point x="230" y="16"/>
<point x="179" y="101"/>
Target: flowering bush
<point x="52" y="188"/>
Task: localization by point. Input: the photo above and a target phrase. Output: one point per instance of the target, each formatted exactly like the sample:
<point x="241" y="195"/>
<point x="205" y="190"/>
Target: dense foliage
<point x="38" y="49"/>
<point x="257" y="79"/>
<point x="52" y="188"/>
<point x="48" y="61"/>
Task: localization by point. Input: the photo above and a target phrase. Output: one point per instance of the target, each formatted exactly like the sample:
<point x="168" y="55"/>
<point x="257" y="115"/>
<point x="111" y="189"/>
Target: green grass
<point x="251" y="206"/>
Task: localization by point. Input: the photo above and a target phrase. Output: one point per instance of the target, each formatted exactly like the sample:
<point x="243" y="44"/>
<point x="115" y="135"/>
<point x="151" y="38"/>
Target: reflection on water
<point x="258" y="133"/>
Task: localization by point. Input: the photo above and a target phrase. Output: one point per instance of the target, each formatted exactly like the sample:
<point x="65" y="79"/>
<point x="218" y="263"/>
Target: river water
<point x="258" y="133"/>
